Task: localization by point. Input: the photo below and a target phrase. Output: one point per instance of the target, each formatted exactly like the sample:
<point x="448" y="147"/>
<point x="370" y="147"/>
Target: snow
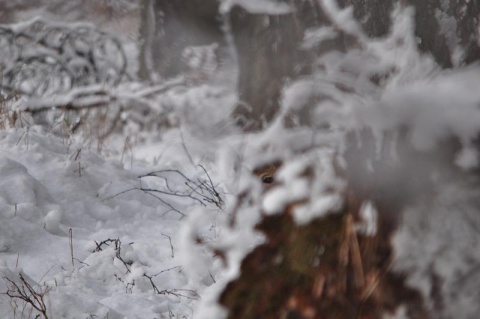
<point x="440" y="239"/>
<point x="369" y="214"/>
<point x="467" y="158"/>
<point x="160" y="235"/>
<point x="47" y="192"/>
<point x="432" y="109"/>
<point x="320" y="207"/>
<point x="314" y="37"/>
<point x="276" y="200"/>
<point x="342" y="18"/>
<point x="257" y="6"/>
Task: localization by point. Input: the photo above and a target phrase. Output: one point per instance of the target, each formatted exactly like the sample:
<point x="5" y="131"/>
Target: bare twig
<point x="172" y="268"/>
<point x="211" y="276"/>
<point x="118" y="255"/>
<point x="200" y="191"/>
<point x="34" y="298"/>
<point x="171" y="246"/>
<point x="150" y="192"/>
<point x="128" y="285"/>
<point x="204" y="189"/>
<point x="174" y="292"/>
<point x="184" y="146"/>
<point x="167" y="204"/>
<point x="70" y="232"/>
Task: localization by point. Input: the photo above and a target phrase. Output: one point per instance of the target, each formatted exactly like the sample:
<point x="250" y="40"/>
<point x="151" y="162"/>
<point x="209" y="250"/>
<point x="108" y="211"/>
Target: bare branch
<point x="171" y="246"/>
<point x="24" y="291"/>
<point x="174" y="292"/>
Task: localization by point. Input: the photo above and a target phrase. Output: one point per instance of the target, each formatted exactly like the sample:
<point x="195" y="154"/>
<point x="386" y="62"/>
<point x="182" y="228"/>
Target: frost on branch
<point x="258" y="6"/>
<point x="48" y="66"/>
<point x="377" y="221"/>
<point x="41" y="58"/>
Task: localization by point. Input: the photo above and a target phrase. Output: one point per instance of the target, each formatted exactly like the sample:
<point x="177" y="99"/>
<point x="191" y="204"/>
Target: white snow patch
<point x="432" y="109"/>
<point x="467" y="158"/>
<point x="52" y="222"/>
<point x="257" y="6"/>
<point x="369" y="216"/>
<point x="276" y="200"/>
<point x="319" y="207"/>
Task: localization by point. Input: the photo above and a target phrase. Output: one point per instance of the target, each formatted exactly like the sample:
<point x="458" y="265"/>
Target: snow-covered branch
<point x="43" y="58"/>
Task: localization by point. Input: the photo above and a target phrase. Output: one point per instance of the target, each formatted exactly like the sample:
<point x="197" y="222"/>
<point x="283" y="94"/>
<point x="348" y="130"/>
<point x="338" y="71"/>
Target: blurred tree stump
<point x="322" y="270"/>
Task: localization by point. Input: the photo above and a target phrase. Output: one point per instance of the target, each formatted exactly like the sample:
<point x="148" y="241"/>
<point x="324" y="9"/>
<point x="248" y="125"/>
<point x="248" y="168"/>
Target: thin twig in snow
<point x="171" y="246"/>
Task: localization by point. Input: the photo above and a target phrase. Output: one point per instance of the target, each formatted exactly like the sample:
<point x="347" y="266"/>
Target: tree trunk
<point x="146" y="69"/>
<point x="269" y="55"/>
<point x="180" y="24"/>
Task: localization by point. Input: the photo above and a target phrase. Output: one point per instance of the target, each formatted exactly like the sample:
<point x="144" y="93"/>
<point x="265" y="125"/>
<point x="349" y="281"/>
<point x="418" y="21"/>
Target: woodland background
<point x="132" y="134"/>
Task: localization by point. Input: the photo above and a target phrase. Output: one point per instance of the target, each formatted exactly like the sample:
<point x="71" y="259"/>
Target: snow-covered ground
<point x="78" y="227"/>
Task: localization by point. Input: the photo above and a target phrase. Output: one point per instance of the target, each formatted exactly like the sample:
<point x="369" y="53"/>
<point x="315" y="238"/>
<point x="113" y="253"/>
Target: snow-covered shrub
<point x="356" y="225"/>
<point x="72" y="78"/>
